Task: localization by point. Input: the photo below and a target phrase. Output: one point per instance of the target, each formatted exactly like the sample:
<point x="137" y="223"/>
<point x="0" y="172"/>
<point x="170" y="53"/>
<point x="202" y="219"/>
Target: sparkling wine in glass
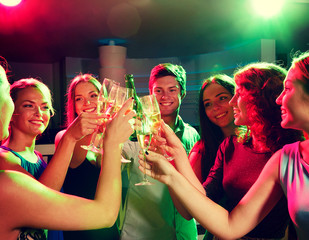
<point x="106" y="98"/>
<point x="153" y="112"/>
<point x="144" y="135"/>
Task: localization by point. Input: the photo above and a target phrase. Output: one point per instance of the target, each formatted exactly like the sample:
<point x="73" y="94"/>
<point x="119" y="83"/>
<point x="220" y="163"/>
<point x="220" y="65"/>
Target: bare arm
<point x="55" y="172"/>
<point x="26" y="202"/>
<point x="182" y="164"/>
<point x="255" y="205"/>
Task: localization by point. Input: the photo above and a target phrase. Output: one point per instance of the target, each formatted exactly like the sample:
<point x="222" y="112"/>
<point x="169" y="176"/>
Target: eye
<point x="222" y="98"/>
<point x="94" y="95"/>
<point x="207" y="104"/>
<point x="45" y="108"/>
<point x="28" y="105"/>
<point x="78" y="99"/>
<point x="157" y="91"/>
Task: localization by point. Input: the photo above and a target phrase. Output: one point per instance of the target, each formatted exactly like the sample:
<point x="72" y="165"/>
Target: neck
<point x="170" y="120"/>
<point x="229" y="130"/>
<point x="20" y="143"/>
<point x="258" y="145"/>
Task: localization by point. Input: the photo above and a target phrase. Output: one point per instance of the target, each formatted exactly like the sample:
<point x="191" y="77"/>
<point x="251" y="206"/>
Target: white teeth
<point x="166" y="104"/>
<point x="89" y="110"/>
<point x="221" y="115"/>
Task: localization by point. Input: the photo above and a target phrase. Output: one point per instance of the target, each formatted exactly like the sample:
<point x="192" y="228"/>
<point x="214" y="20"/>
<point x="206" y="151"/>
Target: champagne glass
<point x="106" y="98"/>
<point x="144" y="134"/>
<point x="154" y="114"/>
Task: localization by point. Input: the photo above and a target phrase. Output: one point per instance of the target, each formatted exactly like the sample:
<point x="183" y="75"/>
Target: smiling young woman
<point x="84" y="169"/>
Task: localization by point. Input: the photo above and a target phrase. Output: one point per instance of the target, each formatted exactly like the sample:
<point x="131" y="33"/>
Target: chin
<point x="285" y="124"/>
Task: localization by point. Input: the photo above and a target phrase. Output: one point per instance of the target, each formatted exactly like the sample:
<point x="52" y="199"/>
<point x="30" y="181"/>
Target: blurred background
<point x="55" y="40"/>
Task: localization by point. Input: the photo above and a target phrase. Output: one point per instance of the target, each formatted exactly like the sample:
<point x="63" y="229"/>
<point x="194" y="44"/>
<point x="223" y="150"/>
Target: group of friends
<point x="245" y="176"/>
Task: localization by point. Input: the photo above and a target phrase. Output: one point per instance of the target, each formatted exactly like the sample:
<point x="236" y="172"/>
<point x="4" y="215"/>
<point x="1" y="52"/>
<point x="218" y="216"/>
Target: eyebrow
<point x="34" y="102"/>
<point x="207" y="99"/>
<point x="168" y="87"/>
<point x="88" y="93"/>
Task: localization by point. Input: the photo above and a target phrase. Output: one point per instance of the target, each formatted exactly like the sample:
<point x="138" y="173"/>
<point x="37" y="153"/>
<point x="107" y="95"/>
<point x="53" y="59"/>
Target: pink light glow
<point x="10" y="3"/>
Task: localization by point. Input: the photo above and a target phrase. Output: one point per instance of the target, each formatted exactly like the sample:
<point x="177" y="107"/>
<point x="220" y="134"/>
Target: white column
<point x="268" y="50"/>
<point x="112" y="61"/>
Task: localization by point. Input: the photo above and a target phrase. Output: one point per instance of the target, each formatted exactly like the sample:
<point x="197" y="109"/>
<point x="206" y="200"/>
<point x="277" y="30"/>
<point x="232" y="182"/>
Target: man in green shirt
<point x="150" y="212"/>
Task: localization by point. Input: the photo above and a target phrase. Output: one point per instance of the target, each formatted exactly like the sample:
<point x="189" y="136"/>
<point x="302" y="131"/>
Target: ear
<point x="182" y="96"/>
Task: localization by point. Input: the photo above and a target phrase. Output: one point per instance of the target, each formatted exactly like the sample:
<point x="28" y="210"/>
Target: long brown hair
<point x="70" y="105"/>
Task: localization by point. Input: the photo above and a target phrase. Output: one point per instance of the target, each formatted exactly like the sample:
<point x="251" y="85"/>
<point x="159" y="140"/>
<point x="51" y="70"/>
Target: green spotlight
<point x="267" y="8"/>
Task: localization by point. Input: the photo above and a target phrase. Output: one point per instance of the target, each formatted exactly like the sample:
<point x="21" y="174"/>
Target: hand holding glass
<point x="107" y="95"/>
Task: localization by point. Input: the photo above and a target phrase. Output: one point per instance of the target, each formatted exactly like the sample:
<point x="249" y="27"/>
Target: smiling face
<point x="86" y="97"/>
<point x="216" y="103"/>
<point x="167" y="91"/>
<point x="294" y="102"/>
<point x="32" y="112"/>
<point x="238" y="102"/>
<point x="6" y="105"/>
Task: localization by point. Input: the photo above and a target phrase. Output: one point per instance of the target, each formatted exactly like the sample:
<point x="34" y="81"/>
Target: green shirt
<point x="149" y="210"/>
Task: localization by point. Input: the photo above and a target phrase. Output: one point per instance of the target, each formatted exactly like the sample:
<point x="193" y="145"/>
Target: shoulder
<point x="8" y="159"/>
<point x="272" y="165"/>
<point x="197" y="147"/>
<point x="130" y="149"/>
<point x="229" y="141"/>
<point x="190" y="131"/>
<point x="59" y="135"/>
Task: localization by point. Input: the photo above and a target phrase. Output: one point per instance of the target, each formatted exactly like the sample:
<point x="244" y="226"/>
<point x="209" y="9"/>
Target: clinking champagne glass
<point x="154" y="114"/>
<point x="144" y="134"/>
<point x="105" y="98"/>
<point x="121" y="96"/>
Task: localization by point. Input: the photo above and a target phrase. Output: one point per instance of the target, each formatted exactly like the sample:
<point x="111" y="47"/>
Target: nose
<point x="86" y="102"/>
<point x="232" y="101"/>
<point x="216" y="105"/>
<point x="38" y="111"/>
<point x="279" y="99"/>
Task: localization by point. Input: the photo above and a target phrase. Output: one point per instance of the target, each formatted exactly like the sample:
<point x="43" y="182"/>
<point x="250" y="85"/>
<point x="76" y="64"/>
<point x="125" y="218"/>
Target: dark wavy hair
<point x="70" y="105"/>
<point x="211" y="134"/>
<point x="261" y="84"/>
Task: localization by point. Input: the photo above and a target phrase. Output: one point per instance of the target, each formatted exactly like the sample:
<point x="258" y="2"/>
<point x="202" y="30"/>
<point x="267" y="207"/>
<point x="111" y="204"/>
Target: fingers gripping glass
<point x="154" y="114"/>
<point x="143" y="134"/>
<point x="147" y="123"/>
<point x="106" y="100"/>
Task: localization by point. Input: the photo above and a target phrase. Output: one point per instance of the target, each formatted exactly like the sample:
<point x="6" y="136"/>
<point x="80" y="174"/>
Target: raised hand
<point x="170" y="143"/>
<point x="119" y="129"/>
<point x="84" y="124"/>
<point x="156" y="167"/>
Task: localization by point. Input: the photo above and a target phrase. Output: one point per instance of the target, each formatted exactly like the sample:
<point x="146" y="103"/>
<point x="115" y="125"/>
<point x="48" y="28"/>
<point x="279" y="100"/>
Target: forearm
<point x="109" y="183"/>
<point x="209" y="214"/>
<point x="55" y="172"/>
<point x="182" y="164"/>
<point x="184" y="167"/>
